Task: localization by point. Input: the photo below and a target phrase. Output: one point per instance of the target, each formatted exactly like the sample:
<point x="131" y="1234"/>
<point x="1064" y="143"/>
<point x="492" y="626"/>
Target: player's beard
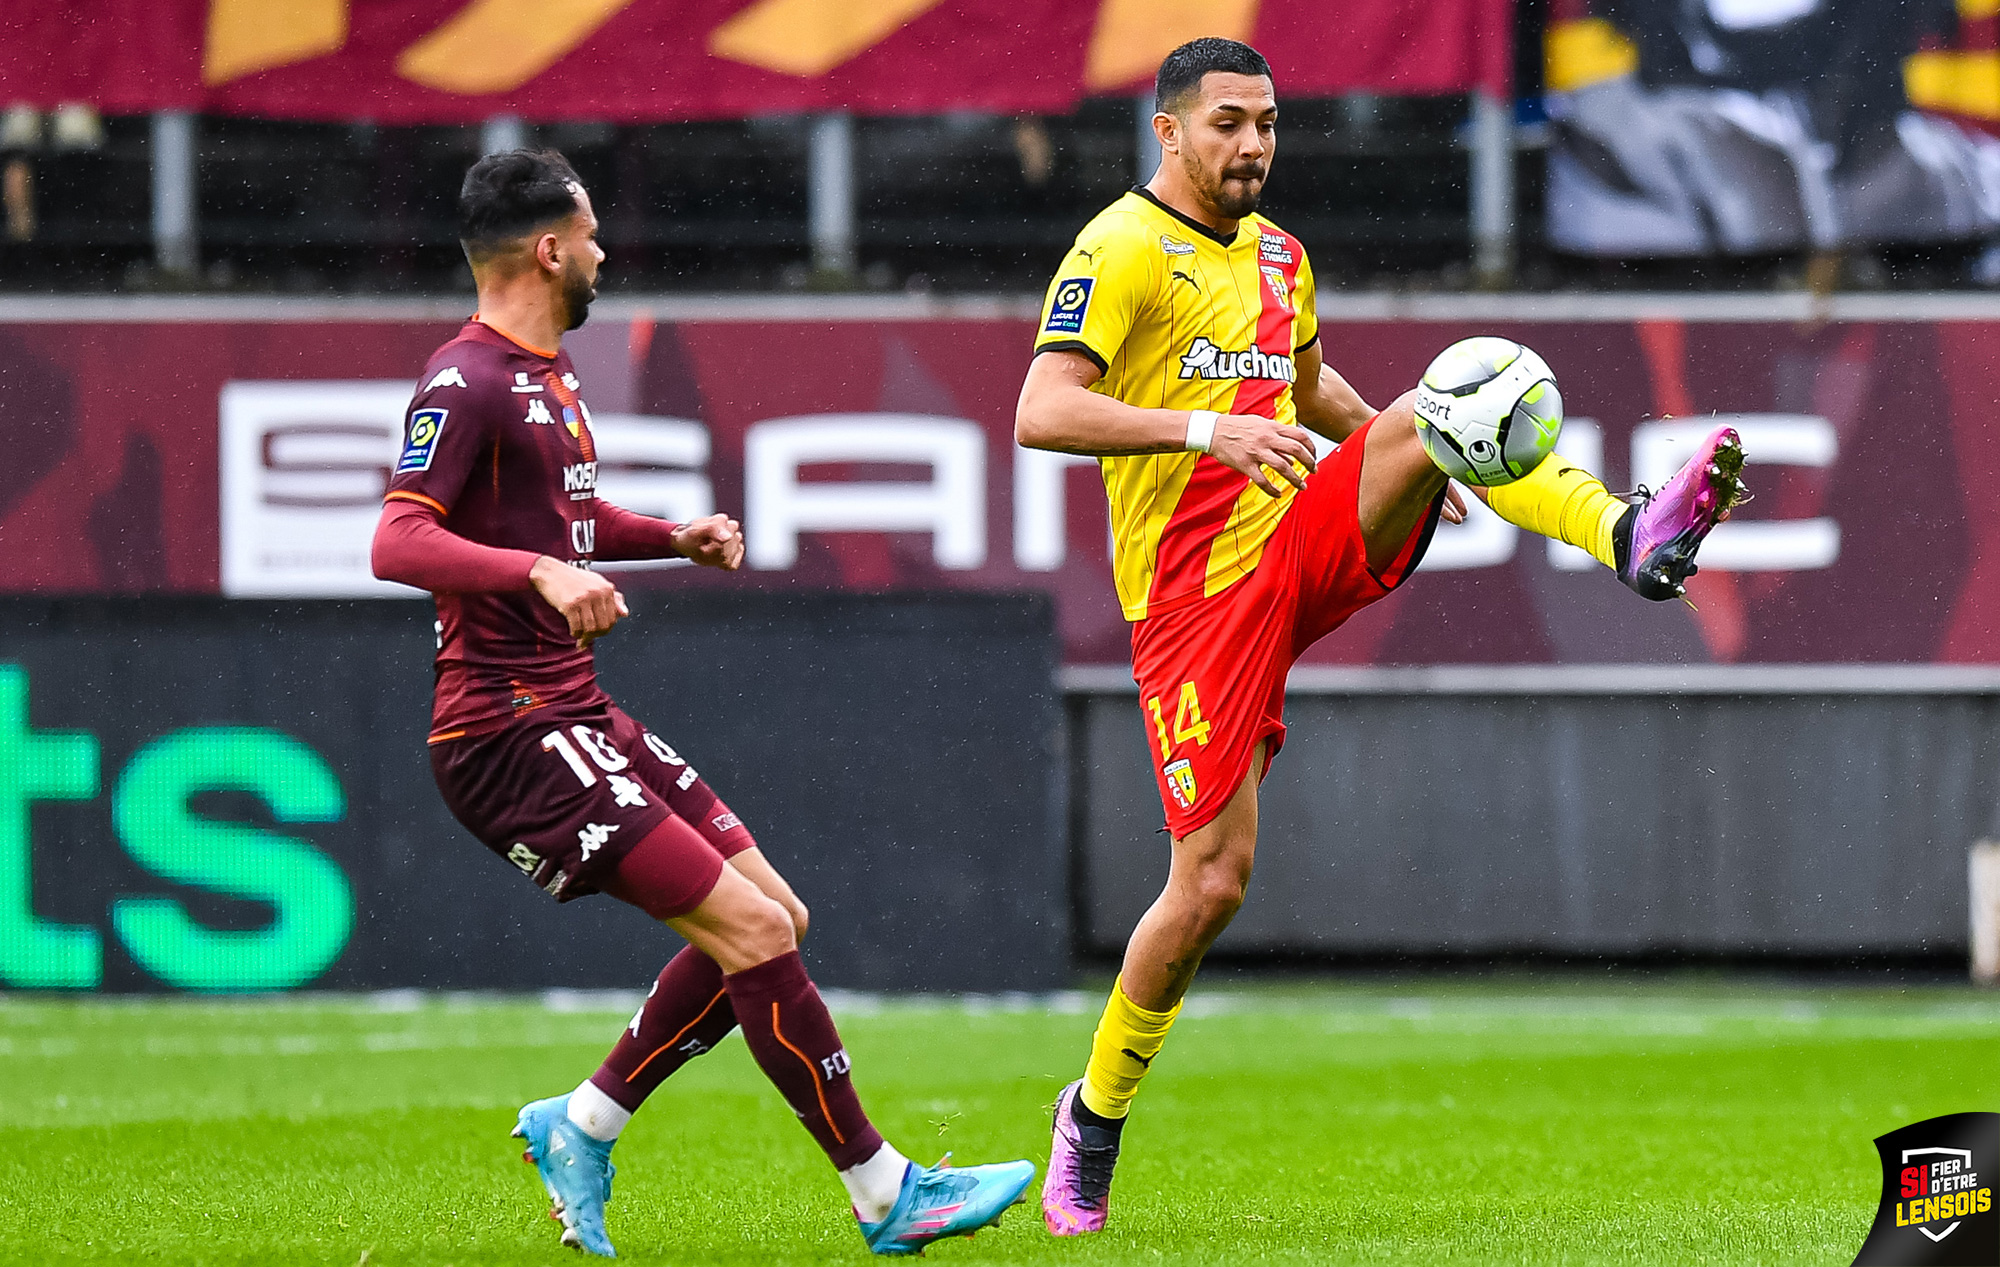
<point x="1229" y="203"/>
<point x="578" y="290"/>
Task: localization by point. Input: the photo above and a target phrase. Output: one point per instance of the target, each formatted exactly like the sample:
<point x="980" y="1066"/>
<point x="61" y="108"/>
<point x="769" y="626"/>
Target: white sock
<point x="874" y="1185"/>
<point x="597" y="1114"/>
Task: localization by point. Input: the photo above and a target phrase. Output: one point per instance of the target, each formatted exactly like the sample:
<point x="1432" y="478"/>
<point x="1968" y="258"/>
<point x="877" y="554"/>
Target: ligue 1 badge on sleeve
<point x="1937" y="1195"/>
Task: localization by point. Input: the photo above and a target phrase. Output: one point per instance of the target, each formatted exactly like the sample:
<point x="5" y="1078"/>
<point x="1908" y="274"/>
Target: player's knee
<point x="766" y="929"/>
<point x="1219" y="890"/>
<point x="1399" y="420"/>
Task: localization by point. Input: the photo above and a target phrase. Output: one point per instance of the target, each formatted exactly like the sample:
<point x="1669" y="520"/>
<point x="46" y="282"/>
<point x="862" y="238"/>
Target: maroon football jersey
<point x="498" y="442"/>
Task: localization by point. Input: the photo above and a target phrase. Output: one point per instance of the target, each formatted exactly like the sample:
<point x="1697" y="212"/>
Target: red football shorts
<point x="1212" y="674"/>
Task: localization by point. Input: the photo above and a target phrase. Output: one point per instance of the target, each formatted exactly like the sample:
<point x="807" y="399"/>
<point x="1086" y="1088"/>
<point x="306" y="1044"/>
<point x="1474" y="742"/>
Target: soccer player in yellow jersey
<point x="1179" y="344"/>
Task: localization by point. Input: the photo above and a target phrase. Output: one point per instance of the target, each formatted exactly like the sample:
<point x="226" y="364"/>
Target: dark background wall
<point x="896" y="756"/>
<point x="1799" y="825"/>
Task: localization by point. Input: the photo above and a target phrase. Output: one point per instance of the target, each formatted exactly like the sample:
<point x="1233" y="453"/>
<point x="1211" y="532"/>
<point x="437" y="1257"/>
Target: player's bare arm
<point x="1325" y="401"/>
<point x="1058" y="411"/>
<point x="1329" y="405"/>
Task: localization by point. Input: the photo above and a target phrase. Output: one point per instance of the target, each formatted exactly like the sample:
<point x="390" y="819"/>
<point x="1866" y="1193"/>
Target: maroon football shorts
<point x="565" y="794"/>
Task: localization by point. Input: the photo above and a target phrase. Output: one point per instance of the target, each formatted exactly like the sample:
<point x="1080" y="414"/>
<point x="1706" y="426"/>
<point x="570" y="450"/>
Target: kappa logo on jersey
<point x="521" y="383"/>
<point x="1071" y="303"/>
<point x="580" y="479"/>
<point x="1274" y="251"/>
<point x="426" y="425"/>
<point x="446" y="377"/>
<point x="539" y="413"/>
<point x="1180" y="781"/>
<point x="593" y="836"/>
<point x="1204" y="359"/>
<point x="1174" y="246"/>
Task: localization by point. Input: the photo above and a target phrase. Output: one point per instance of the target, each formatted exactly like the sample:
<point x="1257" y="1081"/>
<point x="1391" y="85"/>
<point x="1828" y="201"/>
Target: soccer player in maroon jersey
<point x="493" y="508"/>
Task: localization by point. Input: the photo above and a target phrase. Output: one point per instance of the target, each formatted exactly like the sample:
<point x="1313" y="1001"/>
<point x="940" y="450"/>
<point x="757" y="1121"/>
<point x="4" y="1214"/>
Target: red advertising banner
<point x="631" y="61"/>
<point x="867" y="447"/>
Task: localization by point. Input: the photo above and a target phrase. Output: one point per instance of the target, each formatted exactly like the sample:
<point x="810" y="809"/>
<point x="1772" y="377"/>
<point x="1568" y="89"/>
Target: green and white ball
<point x="1488" y="411"/>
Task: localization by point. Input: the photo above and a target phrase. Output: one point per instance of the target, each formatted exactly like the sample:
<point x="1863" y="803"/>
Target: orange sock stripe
<point x="677" y="1037"/>
<point x="813" y="1070"/>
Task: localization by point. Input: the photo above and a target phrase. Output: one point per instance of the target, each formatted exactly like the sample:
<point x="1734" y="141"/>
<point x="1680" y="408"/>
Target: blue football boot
<point x="575" y="1168"/>
<point x="945" y="1200"/>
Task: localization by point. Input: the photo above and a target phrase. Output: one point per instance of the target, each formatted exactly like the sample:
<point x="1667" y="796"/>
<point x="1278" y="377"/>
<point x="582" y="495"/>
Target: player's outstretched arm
<point x="1058" y="411"/>
<point x="714" y="541"/>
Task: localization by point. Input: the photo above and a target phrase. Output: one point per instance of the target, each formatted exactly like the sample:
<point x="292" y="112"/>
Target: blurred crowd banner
<point x="1694" y="127"/>
<point x="630" y="61"/>
<point x="867" y="445"/>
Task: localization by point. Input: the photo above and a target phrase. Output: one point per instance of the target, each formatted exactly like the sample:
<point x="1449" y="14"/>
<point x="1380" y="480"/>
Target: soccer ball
<point x="1488" y="411"/>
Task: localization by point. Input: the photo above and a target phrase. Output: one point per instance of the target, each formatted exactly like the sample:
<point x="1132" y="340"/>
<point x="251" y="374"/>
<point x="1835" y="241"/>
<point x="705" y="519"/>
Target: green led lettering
<point x="50" y="765"/>
<point x="315" y="906"/>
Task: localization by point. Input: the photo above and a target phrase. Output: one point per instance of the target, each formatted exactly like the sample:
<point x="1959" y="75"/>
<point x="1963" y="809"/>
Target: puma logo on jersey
<point x="1144" y="1061"/>
<point x="1088" y="255"/>
<point x="1204" y="359"/>
<point x="446" y="377"/>
<point x="1189" y="279"/>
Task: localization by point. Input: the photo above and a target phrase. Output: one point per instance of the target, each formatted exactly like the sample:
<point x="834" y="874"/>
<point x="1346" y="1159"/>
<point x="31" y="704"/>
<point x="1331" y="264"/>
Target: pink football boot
<point x="1076" y="1191"/>
<point x="1657" y="538"/>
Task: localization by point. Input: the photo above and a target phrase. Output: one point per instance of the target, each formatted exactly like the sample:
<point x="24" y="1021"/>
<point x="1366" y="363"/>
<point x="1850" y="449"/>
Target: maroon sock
<point x="793" y="1039"/>
<point x="686" y="1014"/>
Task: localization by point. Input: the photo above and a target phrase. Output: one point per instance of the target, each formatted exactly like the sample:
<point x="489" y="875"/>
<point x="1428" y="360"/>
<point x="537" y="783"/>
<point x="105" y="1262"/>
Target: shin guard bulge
<point x="1562" y="500"/>
<point x="793" y="1039"/>
<point x="1128" y="1037"/>
<point x="686" y="1013"/>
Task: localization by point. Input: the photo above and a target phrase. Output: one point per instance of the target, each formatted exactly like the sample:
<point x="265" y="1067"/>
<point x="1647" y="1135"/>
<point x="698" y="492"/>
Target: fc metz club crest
<point x="1937" y="1195"/>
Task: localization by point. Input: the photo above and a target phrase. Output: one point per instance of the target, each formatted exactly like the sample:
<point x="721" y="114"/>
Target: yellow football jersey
<point x="1178" y="317"/>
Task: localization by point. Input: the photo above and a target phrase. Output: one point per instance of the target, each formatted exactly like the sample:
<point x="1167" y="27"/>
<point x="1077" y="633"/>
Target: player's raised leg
<point x="1649" y="539"/>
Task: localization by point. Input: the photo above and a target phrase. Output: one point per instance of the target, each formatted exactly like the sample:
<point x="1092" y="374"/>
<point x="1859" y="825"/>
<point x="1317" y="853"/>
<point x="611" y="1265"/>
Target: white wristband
<point x="1201" y="429"/>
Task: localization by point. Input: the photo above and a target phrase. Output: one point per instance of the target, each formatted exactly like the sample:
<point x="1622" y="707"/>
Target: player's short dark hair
<point x="510" y="194"/>
<point x="1180" y="75"/>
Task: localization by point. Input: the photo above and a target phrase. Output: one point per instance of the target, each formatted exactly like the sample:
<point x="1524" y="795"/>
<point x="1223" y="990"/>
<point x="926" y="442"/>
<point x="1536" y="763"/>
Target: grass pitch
<point x="1422" y="1122"/>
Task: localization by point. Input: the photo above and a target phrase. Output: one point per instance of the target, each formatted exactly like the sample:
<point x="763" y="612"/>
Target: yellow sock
<point x="1128" y="1037"/>
<point x="1560" y="500"/>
